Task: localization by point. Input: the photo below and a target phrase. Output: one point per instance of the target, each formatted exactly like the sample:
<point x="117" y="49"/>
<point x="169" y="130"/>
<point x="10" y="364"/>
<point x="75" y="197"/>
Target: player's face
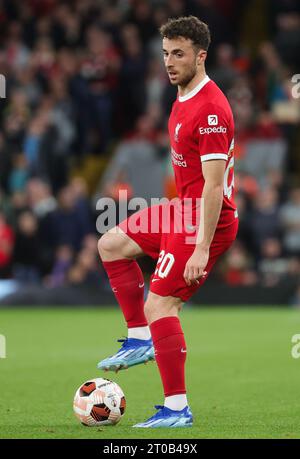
<point x="181" y="60"/>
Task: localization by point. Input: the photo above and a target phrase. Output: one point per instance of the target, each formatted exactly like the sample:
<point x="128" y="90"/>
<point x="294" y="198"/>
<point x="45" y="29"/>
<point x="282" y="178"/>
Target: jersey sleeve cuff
<point x="214" y="156"/>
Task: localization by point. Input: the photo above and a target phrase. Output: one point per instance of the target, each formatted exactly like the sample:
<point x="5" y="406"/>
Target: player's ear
<point x="201" y="56"/>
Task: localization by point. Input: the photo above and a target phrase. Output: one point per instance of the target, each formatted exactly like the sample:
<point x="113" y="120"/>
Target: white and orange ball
<point x="99" y="402"/>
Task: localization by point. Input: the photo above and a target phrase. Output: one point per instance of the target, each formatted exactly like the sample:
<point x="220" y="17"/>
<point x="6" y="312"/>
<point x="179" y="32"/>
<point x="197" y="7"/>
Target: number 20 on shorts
<point x="164" y="264"/>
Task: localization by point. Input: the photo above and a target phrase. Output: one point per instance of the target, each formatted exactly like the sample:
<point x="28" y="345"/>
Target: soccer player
<point x="201" y="130"/>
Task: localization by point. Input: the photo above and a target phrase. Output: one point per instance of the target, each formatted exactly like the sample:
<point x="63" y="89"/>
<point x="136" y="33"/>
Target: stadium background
<point x="85" y="113"/>
<point x="87" y="101"/>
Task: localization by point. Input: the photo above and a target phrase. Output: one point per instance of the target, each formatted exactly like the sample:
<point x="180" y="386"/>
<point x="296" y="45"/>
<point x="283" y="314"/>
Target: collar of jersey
<point x="194" y="91"/>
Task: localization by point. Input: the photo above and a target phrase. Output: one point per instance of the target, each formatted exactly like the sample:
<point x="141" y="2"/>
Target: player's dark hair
<point x="187" y="27"/>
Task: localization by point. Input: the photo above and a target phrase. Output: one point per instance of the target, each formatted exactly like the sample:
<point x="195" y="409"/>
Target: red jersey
<point x="201" y="128"/>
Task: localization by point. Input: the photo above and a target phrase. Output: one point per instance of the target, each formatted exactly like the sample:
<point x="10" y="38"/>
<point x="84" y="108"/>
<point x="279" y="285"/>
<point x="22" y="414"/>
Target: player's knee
<point x="107" y="244"/>
<point x="147" y="311"/>
<point x="150" y="311"/>
<point x="157" y="307"/>
<point x="152" y="303"/>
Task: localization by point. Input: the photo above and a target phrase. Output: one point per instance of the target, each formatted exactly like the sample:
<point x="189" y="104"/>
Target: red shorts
<point x="172" y="249"/>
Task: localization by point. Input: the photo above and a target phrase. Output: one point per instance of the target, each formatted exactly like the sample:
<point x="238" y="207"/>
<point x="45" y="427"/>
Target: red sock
<point x="127" y="282"/>
<point x="170" y="354"/>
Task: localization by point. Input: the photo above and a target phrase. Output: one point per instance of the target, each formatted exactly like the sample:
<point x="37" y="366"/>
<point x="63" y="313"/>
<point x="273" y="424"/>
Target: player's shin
<point x="170" y="355"/>
<point x="127" y="283"/>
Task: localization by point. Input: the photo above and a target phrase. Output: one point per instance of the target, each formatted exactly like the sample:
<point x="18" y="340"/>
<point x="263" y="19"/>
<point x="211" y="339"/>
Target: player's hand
<point x="195" y="266"/>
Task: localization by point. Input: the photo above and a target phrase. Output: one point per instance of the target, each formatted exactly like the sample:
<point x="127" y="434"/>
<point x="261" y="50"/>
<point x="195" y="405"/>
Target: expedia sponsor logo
<point x="213" y="120"/>
<point x="214" y="130"/>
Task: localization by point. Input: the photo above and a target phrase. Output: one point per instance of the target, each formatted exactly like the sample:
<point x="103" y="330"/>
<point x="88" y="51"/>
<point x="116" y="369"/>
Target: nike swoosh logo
<point x="183" y="350"/>
<point x="142" y="285"/>
<point x="155" y="280"/>
<point x="114" y="289"/>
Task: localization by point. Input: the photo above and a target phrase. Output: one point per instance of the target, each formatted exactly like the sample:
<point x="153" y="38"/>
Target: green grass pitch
<point x="242" y="380"/>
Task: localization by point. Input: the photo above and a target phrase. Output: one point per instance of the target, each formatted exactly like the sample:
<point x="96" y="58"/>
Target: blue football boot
<point x="133" y="352"/>
<point x="165" y="417"/>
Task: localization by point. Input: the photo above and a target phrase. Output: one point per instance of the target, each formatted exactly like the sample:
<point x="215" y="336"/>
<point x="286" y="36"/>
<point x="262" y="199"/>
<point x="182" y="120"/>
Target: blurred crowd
<point x="86" y="77"/>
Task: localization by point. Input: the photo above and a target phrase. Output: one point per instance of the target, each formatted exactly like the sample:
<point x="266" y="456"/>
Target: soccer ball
<point x="99" y="402"/>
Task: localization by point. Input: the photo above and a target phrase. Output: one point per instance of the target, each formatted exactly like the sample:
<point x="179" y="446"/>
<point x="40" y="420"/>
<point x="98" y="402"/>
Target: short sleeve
<point x="213" y="130"/>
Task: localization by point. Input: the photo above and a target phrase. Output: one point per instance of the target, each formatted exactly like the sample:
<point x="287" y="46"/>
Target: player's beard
<point x="187" y="78"/>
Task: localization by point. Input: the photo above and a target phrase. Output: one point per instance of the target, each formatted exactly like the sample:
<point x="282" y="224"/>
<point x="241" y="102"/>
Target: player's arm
<point x="212" y="199"/>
